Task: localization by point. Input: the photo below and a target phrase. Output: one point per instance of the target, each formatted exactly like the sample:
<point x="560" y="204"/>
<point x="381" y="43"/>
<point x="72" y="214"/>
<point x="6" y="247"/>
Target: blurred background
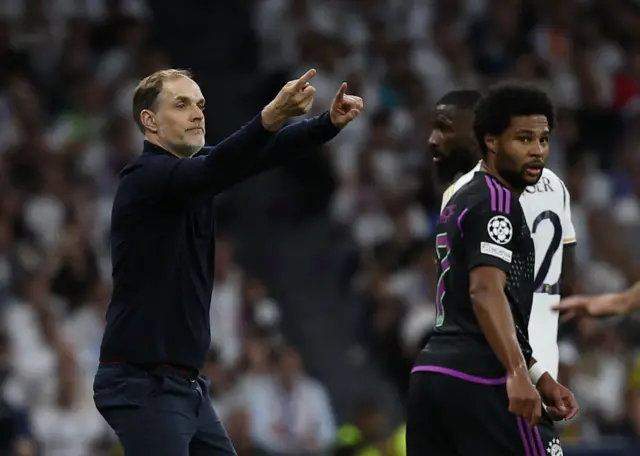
<point x="324" y="271"/>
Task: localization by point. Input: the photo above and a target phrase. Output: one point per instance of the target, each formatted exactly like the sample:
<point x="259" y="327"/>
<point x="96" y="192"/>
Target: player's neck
<point x="487" y="168"/>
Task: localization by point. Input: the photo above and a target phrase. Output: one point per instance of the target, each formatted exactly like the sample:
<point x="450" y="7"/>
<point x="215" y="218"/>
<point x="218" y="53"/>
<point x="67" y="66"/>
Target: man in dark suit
<point x="148" y="386"/>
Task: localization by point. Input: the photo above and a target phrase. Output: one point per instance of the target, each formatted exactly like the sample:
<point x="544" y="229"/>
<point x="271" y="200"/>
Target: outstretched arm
<point x="259" y="146"/>
<point x="603" y="305"/>
<point x="295" y="140"/>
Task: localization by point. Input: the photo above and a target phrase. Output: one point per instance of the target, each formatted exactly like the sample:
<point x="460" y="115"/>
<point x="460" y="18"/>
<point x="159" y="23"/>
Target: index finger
<point x="342" y="90"/>
<point x="306" y="78"/>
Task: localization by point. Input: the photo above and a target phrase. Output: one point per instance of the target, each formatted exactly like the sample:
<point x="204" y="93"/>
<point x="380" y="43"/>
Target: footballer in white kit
<point x="547" y="210"/>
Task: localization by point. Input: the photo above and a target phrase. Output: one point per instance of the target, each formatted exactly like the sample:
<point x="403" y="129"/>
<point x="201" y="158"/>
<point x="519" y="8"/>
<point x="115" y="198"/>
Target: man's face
<point x="522" y="150"/>
<point x="179" y="116"/>
<point x="451" y="141"/>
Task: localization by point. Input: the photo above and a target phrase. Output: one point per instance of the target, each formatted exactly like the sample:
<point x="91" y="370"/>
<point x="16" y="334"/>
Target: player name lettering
<point x="543" y="186"/>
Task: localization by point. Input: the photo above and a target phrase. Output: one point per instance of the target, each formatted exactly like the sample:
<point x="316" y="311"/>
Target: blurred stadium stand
<point x="325" y="269"/>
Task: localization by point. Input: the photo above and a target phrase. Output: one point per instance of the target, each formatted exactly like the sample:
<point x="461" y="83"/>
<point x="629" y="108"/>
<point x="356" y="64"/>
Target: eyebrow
<point x="531" y="131"/>
<point x="188" y="100"/>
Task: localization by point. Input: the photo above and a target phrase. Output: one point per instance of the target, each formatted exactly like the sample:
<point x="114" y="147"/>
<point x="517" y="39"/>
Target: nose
<point x="435" y="138"/>
<point x="537" y="150"/>
<point x="197" y="114"/>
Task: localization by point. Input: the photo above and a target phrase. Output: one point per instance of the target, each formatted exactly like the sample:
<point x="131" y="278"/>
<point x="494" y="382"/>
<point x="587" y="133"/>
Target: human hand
<point x="524" y="399"/>
<point x="294" y="99"/>
<point x="594" y="306"/>
<point x="560" y="402"/>
<point x="345" y="108"/>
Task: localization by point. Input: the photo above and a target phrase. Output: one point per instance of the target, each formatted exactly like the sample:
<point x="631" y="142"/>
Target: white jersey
<point x="547" y="208"/>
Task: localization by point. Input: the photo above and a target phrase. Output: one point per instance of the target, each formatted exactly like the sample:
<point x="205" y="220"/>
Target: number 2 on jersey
<point x="553" y="245"/>
<point x="442" y="251"/>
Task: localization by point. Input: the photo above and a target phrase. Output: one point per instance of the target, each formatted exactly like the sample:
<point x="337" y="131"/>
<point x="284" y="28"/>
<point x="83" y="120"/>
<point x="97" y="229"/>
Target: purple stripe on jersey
<point x="539" y="440"/>
<point x="504" y="197"/>
<point x="462" y="214"/>
<point x="522" y="428"/>
<point x="532" y="441"/>
<point x="492" y="189"/>
<point x="507" y="196"/>
<point x="461" y="375"/>
<point x="506" y="193"/>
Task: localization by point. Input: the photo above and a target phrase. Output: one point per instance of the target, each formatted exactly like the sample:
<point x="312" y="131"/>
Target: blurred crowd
<point x="66" y="77"/>
<point x="401" y="56"/>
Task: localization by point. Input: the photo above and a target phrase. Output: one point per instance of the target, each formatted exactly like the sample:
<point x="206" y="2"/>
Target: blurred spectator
<point x="372" y="434"/>
<point x="238" y="428"/>
<point x="67" y="71"/>
<point x="260" y="313"/>
<point x="16" y="433"/>
<point x="290" y="412"/>
<point x="220" y="384"/>
<point x="68" y="426"/>
<point x="226" y="304"/>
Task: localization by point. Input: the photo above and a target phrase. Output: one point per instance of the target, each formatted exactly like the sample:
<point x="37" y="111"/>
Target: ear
<point x="148" y="119"/>
<point x="491" y="143"/>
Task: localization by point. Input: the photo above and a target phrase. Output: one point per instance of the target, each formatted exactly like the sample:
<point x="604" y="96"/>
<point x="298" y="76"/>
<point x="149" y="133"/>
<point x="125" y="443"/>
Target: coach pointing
<point x="148" y="386"/>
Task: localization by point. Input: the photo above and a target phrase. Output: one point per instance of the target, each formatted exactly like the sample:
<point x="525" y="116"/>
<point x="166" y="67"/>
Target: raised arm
<point x="260" y="145"/>
<point x="216" y="168"/>
<point x="291" y="142"/>
<point x="297" y="139"/>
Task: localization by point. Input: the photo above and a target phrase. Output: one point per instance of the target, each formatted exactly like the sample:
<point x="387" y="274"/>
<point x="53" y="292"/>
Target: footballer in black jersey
<point x="483" y="225"/>
<point x="472" y="391"/>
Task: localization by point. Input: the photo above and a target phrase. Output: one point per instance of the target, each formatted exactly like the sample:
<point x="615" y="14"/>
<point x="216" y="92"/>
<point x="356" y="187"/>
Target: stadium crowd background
<point x="324" y="269"/>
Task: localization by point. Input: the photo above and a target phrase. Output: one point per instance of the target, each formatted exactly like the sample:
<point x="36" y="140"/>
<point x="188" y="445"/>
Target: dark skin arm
<point x="561" y="403"/>
<point x="600" y="305"/>
<point x="568" y="277"/>
<point x="486" y="288"/>
<point x="631" y="298"/>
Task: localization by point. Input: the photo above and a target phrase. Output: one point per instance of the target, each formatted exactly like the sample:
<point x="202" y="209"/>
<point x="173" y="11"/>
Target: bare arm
<point x="603" y="305"/>
<point x="568" y="276"/>
<point x="491" y="234"/>
<point x="630" y="299"/>
<point x="486" y="288"/>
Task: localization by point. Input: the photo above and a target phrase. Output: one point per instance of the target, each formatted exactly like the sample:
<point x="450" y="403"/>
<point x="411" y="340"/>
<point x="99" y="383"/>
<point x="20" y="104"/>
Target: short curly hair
<point x="505" y="100"/>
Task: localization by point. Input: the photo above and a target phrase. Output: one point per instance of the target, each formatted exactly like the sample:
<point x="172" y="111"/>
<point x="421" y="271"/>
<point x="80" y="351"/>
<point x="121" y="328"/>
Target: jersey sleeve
<point x="568" y="230"/>
<point x="490" y="233"/>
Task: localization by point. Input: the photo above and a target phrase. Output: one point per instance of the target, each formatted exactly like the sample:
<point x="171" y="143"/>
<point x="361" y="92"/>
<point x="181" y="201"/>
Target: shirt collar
<point x="151" y="148"/>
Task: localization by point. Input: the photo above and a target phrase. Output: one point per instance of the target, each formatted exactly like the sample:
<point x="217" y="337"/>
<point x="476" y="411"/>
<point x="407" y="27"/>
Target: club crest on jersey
<point x="554" y="448"/>
<point x="500" y="229"/>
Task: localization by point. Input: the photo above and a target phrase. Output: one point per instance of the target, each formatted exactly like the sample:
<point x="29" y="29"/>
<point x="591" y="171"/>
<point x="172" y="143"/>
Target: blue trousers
<point x="159" y="411"/>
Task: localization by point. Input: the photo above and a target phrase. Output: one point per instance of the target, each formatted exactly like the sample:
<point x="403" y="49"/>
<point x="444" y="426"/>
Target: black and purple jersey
<point x="482" y="225"/>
